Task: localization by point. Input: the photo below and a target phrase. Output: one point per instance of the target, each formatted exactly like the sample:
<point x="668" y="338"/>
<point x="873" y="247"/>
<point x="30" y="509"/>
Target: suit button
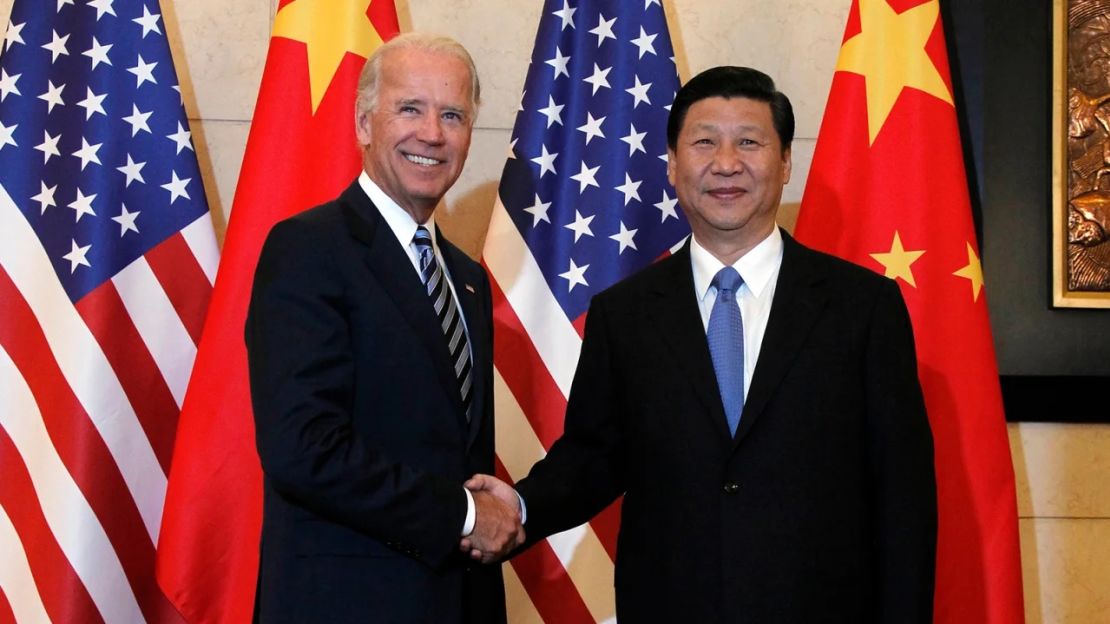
<point x="732" y="488"/>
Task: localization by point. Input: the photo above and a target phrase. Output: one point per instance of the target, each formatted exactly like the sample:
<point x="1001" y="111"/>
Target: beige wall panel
<point x="470" y="201"/>
<point x="1062" y="470"/>
<point x="796" y="42"/>
<point x="5" y="11"/>
<point x="1066" y="568"/>
<point x="219" y="48"/>
<point x="220" y="146"/>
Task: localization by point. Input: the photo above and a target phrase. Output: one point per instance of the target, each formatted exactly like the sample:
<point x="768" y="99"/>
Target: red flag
<point x="301" y="152"/>
<point x="888" y="190"/>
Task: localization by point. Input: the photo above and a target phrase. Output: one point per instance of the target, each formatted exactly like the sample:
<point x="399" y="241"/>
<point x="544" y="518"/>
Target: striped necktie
<point x="449" y="319"/>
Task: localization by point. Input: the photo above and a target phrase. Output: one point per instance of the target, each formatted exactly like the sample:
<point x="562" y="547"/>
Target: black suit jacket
<point x="363" y="439"/>
<point x="823" y="506"/>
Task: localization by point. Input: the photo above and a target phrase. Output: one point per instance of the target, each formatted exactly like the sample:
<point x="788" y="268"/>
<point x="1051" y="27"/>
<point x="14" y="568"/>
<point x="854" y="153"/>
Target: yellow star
<point x="329" y="29"/>
<point x="889" y="52"/>
<point x="973" y="271"/>
<point x="897" y="261"/>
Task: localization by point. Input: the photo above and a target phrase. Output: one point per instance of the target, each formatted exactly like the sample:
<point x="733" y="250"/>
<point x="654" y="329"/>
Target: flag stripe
<point x="79" y="448"/>
<point x="84" y="365"/>
<point x="553" y="594"/>
<point x="15" y="572"/>
<point x="62" y="514"/>
<point x="184" y="282"/>
<point x="519" y="277"/>
<point x="518" y="602"/>
<point x="106" y="317"/>
<point x="159" y="325"/>
<point x="202" y="243"/>
<point x="581" y="554"/>
<point x="524" y="372"/>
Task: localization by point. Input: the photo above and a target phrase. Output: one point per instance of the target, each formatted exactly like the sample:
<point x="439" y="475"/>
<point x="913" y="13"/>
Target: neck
<point x="728" y="247"/>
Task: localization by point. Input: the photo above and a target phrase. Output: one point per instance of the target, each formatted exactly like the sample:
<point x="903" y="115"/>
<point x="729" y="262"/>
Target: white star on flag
<point x="559" y="63"/>
<point x="586" y="177"/>
<point x="126" y="220"/>
<point x="538" y="210"/>
<point x="133" y="171"/>
<point x="604" y="29"/>
<point x="546" y="161"/>
<point x="580" y="226"/>
<point x="138" y="121"/>
<point x="176" y="187"/>
<point x="598" y="79"/>
<point x="57" y="46"/>
<point x="566" y="14"/>
<point x="624" y="238"/>
<point x="53" y="96"/>
<point x="639" y="92"/>
<point x="49" y="146"/>
<point x="149" y="22"/>
<point x="575" y="275"/>
<point x="553" y="112"/>
<point x="7" y="134"/>
<point x="7" y="85"/>
<point x="76" y="256"/>
<point x="630" y="189"/>
<point x="667" y="207"/>
<point x="635" y="140"/>
<point x="92" y="103"/>
<point x="87" y="153"/>
<point x="98" y="53"/>
<point x="592" y="127"/>
<point x="45" y="198"/>
<point x="144" y="72"/>
<point x="645" y="43"/>
<point x="181" y="137"/>
<point x="82" y="205"/>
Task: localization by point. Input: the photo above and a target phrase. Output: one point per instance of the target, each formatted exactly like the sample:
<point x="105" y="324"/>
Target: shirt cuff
<point x="523" y="508"/>
<point x="468" y="524"/>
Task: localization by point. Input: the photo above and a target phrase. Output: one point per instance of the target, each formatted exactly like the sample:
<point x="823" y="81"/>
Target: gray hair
<point x="369" y="79"/>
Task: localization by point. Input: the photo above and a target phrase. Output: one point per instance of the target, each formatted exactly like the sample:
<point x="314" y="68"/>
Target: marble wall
<point x="220" y="46"/>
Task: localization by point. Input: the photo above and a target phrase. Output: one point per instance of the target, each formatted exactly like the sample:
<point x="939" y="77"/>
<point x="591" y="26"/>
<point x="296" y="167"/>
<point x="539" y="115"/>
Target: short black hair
<point x="729" y="82"/>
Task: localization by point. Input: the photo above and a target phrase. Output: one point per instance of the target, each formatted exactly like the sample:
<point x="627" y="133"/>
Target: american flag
<point x="107" y="258"/>
<point x="583" y="202"/>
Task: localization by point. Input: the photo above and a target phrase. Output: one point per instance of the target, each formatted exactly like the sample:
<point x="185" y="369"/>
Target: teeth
<point x="421" y="160"/>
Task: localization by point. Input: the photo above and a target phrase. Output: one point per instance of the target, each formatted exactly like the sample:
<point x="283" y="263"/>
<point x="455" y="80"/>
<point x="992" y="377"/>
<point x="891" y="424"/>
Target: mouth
<point x="423" y="161"/>
<point x="725" y="193"/>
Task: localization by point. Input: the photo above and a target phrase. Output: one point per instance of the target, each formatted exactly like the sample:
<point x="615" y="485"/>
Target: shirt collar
<point x="400" y="222"/>
<point x="755" y="267"/>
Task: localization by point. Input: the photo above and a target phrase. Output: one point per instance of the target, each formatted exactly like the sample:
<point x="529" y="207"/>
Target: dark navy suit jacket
<point x="360" y="429"/>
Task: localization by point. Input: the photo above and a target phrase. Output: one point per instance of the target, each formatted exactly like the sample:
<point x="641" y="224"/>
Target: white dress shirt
<point x="404" y="227"/>
<point x="759" y="268"/>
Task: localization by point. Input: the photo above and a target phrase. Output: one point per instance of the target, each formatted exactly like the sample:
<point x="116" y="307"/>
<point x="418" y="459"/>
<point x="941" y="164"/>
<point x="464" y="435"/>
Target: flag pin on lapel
<point x="470" y="288"/>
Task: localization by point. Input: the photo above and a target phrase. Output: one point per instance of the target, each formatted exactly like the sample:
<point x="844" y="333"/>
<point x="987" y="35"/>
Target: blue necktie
<point x="450" y="322"/>
<point x="726" y="344"/>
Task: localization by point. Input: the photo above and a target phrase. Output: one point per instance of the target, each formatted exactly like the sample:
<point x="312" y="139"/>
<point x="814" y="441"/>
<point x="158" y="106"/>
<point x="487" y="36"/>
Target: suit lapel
<point x="393" y="270"/>
<point x="467" y="284"/>
<point x="681" y="327"/>
<point x="798" y="302"/>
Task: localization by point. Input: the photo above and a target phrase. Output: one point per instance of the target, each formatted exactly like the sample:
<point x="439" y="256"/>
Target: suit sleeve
<point x="901" y="462"/>
<point x="301" y="376"/>
<point x="581" y="475"/>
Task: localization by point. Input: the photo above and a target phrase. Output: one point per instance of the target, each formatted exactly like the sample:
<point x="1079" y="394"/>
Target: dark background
<point x="1054" y="363"/>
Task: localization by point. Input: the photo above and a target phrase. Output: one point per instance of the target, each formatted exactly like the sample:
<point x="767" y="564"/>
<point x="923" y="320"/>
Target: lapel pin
<point x="470" y="288"/>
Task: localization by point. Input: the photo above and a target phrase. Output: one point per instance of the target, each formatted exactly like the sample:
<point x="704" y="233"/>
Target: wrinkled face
<point x="728" y="168"/>
<point x="415" y="140"/>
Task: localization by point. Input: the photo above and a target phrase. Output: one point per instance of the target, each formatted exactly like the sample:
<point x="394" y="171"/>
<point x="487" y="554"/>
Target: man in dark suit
<point x="369" y="338"/>
<point x="755" y="401"/>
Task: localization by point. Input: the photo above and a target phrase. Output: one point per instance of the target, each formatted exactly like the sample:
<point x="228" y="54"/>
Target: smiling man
<point x="756" y="402"/>
<point x="369" y="339"/>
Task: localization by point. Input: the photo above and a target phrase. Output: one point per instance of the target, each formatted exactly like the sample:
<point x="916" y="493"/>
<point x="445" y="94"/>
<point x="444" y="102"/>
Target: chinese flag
<point x="301" y="151"/>
<point x="888" y="190"/>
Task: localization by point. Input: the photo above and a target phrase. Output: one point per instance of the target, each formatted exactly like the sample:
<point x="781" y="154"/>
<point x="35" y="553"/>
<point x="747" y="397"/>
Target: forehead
<point x="420" y="73"/>
<point x="728" y="113"/>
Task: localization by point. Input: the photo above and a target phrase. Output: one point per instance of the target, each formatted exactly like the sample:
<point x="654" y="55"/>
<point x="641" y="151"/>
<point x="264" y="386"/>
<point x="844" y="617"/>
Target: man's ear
<point x="362" y="128"/>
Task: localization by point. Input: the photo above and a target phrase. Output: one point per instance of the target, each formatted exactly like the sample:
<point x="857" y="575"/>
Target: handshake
<point x="498" y="527"/>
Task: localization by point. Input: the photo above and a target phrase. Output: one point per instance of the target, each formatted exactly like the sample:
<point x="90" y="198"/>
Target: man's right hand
<point x="497" y="525"/>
